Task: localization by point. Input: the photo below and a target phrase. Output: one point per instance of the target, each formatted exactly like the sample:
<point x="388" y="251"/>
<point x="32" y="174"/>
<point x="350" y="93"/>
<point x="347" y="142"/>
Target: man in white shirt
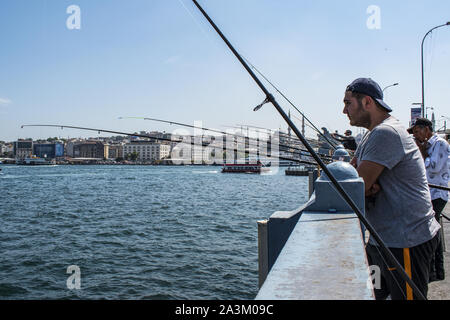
<point x="436" y="152"/>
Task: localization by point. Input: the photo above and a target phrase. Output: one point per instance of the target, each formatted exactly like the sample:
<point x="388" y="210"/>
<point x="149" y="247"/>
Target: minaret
<point x="303" y="125"/>
<point x="289" y="128"/>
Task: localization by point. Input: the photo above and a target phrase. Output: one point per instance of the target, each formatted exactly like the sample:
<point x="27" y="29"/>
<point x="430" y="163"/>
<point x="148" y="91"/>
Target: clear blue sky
<point x="161" y="59"/>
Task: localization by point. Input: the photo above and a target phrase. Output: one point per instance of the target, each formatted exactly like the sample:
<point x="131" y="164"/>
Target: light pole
<point x="395" y="84"/>
<point x="426" y="111"/>
<point x="423" y="40"/>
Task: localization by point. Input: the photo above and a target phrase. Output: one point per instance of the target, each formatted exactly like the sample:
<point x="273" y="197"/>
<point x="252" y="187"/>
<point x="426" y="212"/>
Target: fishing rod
<point x="166" y="139"/>
<point x="281" y="133"/>
<point x="438" y="187"/>
<point x="441" y="188"/>
<point x="250" y="126"/>
<point x="222" y="132"/>
<point x="270" y="98"/>
<point x="269" y="131"/>
<point x="335" y="143"/>
<point x="295" y="143"/>
<point x="289" y="101"/>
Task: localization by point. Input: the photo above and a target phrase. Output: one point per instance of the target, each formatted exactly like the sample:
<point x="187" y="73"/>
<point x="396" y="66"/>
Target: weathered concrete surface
<point x="323" y="259"/>
<point x="440" y="290"/>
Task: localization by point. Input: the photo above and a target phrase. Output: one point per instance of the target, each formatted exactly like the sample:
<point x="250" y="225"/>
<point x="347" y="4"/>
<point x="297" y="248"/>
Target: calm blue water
<point x="135" y="232"/>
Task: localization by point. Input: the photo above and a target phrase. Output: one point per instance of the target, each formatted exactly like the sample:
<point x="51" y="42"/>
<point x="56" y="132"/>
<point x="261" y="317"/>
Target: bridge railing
<point x="316" y="251"/>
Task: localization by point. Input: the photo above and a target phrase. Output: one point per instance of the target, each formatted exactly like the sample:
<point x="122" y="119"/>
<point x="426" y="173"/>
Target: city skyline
<point x="87" y="63"/>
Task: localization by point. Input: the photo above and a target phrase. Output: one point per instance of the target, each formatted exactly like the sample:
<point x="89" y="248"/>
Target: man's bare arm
<point x="370" y="171"/>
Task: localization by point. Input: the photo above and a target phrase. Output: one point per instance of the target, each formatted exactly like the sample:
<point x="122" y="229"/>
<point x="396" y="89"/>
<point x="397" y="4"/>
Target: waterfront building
<point x="23" y="148"/>
<point x="8" y="149"/>
<point x="146" y="151"/>
<point x="48" y="150"/>
<point x="70" y="146"/>
<point x="90" y="149"/>
<point x="115" y="151"/>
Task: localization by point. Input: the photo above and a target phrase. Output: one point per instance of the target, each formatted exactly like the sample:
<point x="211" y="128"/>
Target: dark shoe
<point x="440" y="275"/>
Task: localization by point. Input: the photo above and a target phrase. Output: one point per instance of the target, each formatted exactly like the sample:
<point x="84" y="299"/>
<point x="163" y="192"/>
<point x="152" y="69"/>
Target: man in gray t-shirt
<point x="401" y="212"/>
<point x="398" y="203"/>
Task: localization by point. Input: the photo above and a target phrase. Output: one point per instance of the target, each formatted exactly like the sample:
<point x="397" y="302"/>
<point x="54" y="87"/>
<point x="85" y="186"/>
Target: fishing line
<point x="211" y="41"/>
<point x="281" y="133"/>
<point x="294" y="139"/>
<point x="323" y="135"/>
<point x="196" y="22"/>
<point x="259" y="72"/>
<point x="289" y="101"/>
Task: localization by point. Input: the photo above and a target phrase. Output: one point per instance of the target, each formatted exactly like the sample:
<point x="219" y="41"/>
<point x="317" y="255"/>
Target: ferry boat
<point x="299" y="170"/>
<point x="35" y="161"/>
<point x="244" y="168"/>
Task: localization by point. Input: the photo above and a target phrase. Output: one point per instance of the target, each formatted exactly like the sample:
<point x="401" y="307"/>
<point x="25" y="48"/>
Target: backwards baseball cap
<point x="369" y="87"/>
<point x="424" y="122"/>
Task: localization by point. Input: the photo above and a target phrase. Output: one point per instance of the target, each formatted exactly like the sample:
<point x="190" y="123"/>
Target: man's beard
<point x="361" y="118"/>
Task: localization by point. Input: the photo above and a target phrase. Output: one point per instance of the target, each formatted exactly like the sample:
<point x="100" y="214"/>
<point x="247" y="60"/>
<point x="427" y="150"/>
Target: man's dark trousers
<point x="437" y="271"/>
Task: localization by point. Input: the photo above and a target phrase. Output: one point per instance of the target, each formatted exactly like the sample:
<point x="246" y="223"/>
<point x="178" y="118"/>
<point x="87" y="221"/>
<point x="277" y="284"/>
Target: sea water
<point x="135" y="232"/>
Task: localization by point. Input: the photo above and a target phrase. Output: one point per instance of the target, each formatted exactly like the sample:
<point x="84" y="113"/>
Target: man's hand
<point x="373" y="190"/>
<point x="353" y="162"/>
<point x="423" y="146"/>
<point x="370" y="171"/>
